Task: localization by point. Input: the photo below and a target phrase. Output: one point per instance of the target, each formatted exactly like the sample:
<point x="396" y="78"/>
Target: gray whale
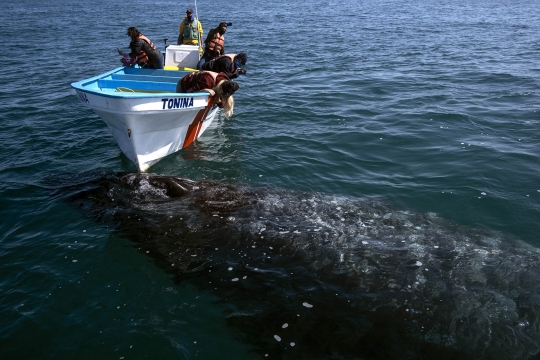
<point x="352" y="278"/>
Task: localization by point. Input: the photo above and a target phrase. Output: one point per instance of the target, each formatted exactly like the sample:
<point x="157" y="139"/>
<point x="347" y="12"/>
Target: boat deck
<point x="128" y="80"/>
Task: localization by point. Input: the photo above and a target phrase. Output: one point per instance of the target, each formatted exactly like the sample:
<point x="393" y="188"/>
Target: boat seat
<point x="137" y="85"/>
<point x="145" y="78"/>
<point x="155" y="72"/>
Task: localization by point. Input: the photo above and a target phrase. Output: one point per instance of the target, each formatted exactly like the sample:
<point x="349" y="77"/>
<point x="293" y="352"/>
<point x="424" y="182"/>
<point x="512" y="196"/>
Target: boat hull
<point x="147" y="137"/>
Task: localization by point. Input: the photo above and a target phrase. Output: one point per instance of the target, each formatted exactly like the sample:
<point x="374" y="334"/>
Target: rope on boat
<point x="124" y="89"/>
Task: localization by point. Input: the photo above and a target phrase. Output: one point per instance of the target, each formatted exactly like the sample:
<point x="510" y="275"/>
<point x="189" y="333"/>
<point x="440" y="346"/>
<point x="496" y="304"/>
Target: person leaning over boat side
<point x="230" y="64"/>
<point x="220" y="87"/>
<point x="143" y="51"/>
<point x="190" y="30"/>
<point x="214" y="44"/>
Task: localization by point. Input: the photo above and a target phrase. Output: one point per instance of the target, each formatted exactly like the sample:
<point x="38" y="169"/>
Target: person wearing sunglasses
<point x="230" y="64"/>
<point x="190" y="30"/>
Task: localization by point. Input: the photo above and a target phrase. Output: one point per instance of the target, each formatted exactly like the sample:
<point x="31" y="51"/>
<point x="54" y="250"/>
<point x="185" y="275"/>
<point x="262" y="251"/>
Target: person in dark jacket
<point x="143" y="51"/>
<point x="230" y="64"/>
<point x="220" y="87"/>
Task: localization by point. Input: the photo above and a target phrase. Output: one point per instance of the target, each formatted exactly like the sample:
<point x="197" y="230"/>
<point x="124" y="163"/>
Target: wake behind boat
<point x="141" y="107"/>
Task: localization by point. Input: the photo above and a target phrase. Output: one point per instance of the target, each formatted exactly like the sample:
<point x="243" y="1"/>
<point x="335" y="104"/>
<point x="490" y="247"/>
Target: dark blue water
<point x="431" y="105"/>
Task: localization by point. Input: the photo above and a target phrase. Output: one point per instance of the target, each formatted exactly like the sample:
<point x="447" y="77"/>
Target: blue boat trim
<point x="128" y="82"/>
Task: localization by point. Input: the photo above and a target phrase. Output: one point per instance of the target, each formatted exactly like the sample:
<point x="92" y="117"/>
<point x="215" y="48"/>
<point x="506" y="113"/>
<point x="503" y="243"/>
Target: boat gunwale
<point x="82" y="85"/>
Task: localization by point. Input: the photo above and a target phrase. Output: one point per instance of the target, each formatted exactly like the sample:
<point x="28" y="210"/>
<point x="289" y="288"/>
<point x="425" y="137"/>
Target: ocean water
<point x="432" y="106"/>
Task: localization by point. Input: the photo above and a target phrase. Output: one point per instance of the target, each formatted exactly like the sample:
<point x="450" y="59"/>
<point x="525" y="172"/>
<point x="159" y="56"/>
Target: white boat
<point x="141" y="107"/>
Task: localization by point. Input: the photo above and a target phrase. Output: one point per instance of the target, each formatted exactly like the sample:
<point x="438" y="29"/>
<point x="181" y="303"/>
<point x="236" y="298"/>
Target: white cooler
<point x="181" y="56"/>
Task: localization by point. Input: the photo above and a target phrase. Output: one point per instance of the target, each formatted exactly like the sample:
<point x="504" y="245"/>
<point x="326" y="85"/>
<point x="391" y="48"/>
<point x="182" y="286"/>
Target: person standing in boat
<point x="230" y="64"/>
<point x="143" y="51"/>
<point x="190" y="30"/>
<point x="220" y="87"/>
<point x="214" y="44"/>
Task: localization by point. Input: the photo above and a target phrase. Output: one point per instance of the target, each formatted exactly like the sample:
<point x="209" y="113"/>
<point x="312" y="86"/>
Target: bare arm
<point x="211" y="91"/>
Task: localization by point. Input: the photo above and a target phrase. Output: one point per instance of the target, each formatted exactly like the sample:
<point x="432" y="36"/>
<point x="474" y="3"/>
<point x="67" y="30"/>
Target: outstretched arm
<point x="227" y="66"/>
<point x="211" y="91"/>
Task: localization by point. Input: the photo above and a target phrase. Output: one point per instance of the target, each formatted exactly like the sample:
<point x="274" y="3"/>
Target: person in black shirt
<point x="230" y="64"/>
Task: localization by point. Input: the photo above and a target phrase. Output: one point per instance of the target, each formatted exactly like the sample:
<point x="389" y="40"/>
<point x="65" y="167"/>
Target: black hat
<point x="242" y="57"/>
<point x="189" y="10"/>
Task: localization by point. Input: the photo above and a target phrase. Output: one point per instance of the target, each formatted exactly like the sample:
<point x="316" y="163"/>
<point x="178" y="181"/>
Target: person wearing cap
<point x="214" y="44"/>
<point x="190" y="30"/>
<point x="220" y="87"/>
<point x="230" y="64"/>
